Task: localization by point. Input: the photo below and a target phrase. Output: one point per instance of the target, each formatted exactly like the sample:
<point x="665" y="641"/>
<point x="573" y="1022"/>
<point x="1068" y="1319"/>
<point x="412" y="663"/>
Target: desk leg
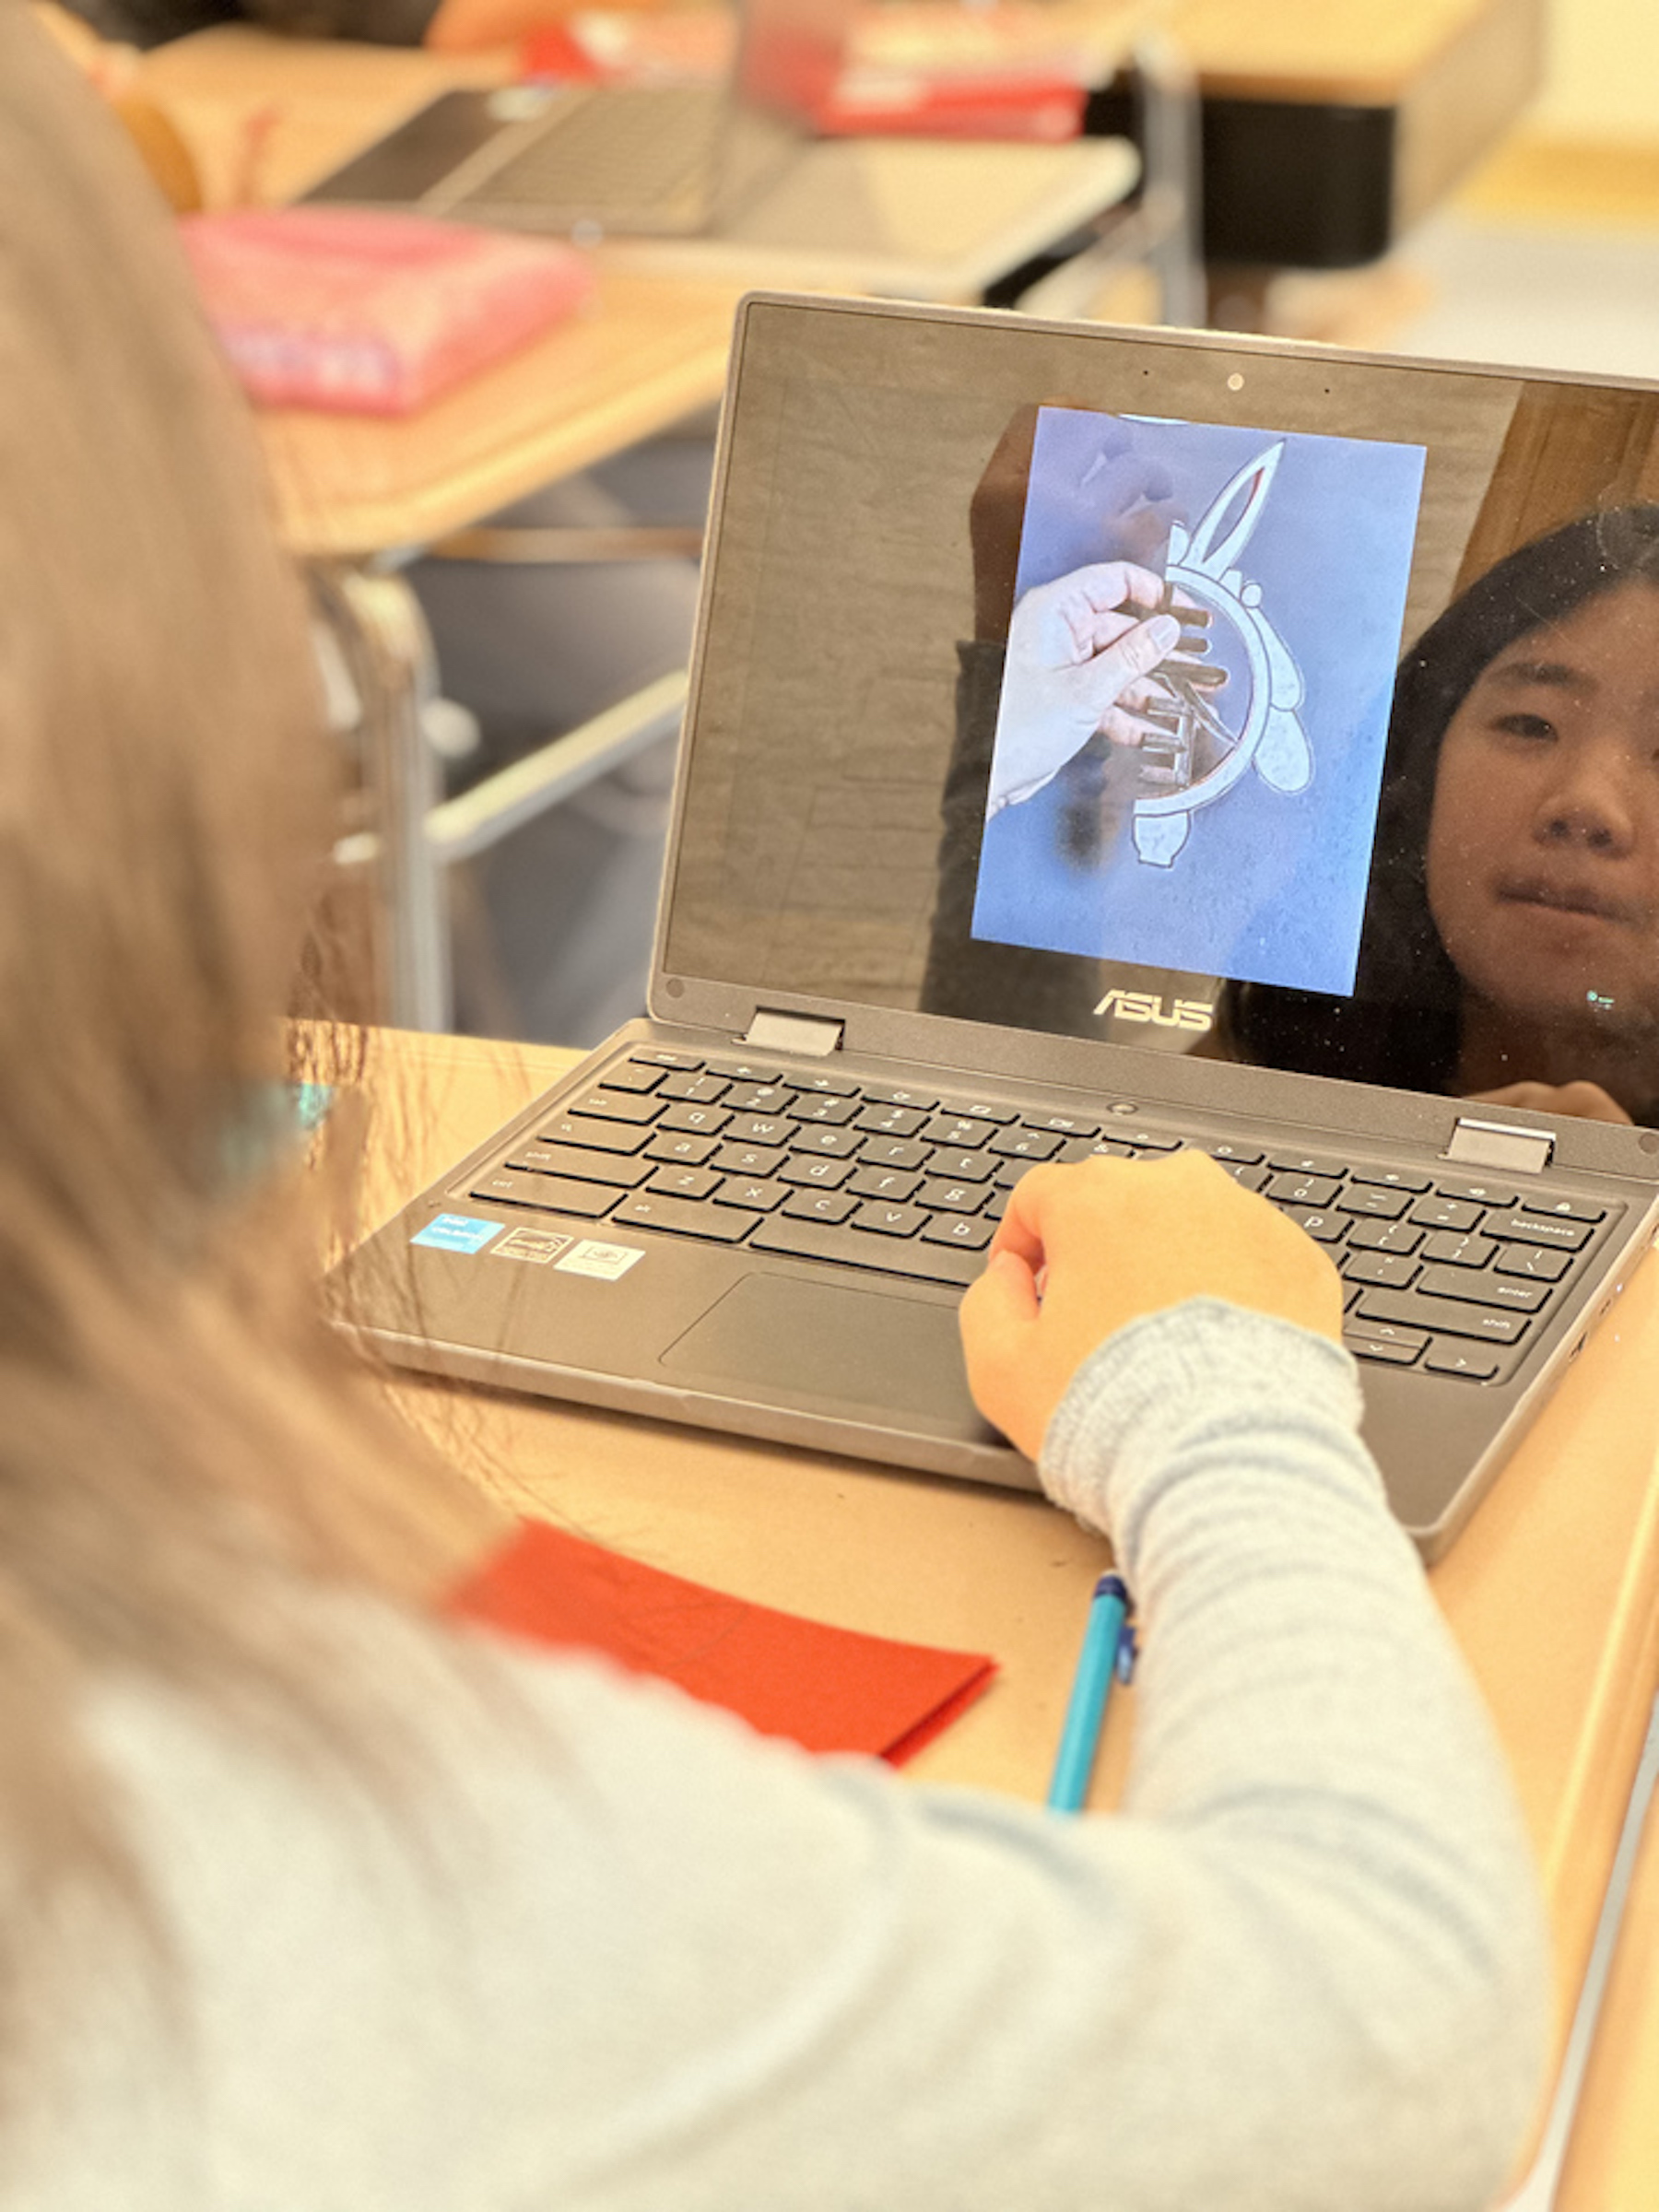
<point x="387" y="645"/>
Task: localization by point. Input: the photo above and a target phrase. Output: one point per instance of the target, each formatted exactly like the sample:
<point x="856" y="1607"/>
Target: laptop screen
<point x="1291" y="707"/>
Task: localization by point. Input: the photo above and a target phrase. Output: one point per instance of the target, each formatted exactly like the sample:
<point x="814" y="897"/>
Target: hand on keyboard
<point x="1084" y="1250"/>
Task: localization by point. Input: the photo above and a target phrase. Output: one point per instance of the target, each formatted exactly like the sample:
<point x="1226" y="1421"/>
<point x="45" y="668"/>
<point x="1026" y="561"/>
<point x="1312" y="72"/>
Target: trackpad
<point x="883" y="1353"/>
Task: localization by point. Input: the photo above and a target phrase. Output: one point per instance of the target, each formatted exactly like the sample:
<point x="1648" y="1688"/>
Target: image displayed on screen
<point x="1193" y="715"/>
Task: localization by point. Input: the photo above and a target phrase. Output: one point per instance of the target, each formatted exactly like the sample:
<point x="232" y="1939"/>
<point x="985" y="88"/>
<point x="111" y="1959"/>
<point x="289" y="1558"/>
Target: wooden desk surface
<point x="1552" y="1589"/>
<point x="1612" y="2154"/>
<point x="1362" y="53"/>
<point x="648" y="351"/>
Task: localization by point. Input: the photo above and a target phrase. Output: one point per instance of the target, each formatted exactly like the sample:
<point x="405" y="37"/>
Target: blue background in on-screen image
<point x="1269" y="887"/>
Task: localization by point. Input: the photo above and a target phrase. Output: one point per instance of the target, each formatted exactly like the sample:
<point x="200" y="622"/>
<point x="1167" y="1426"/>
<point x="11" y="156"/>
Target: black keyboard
<point x="623" y="148"/>
<point x="1445" y="1272"/>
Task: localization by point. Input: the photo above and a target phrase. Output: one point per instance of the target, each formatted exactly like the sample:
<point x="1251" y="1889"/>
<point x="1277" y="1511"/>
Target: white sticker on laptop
<point x="458" y="1232"/>
<point x="539" y="1246"/>
<point x="607" y="1263"/>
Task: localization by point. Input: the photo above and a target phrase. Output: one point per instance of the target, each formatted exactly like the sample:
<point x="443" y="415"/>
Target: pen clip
<point x="1128" y="1651"/>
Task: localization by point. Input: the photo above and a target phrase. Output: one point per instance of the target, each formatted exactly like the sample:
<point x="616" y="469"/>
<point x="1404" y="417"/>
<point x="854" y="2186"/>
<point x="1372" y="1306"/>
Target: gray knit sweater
<point x="631" y="1957"/>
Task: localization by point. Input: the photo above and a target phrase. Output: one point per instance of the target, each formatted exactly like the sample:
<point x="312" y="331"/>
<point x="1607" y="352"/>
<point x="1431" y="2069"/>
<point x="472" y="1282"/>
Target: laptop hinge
<point x="794" y="1033"/>
<point x="1496" y="1145"/>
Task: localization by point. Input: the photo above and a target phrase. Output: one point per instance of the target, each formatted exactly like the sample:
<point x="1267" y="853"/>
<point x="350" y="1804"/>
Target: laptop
<point x="662" y="158"/>
<point x="927" y="919"/>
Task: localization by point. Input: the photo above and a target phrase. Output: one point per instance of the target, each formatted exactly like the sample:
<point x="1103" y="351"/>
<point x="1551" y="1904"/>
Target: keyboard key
<point x="977" y="1110"/>
<point x="891" y="1120"/>
<point x="1392" y="1269"/>
<point x="708" y="1120"/>
<point x="1111" y="1147"/>
<point x="1462" y="1359"/>
<point x="840" y="1087"/>
<point x="1449" y="1250"/>
<point x="892" y="1152"/>
<point x="1390" y="1351"/>
<point x="1447" y="1213"/>
<point x="595" y="1137"/>
<point x="1484" y="1289"/>
<point x="967" y="1233"/>
<point x="547" y="1194"/>
<point x="1445" y="1316"/>
<point x="1385" y="1236"/>
<point x="586" y="1166"/>
<point x="683" y="1183"/>
<point x="889" y="1255"/>
<point x="702" y="1091"/>
<point x="819" y="1205"/>
<point x="1297" y="1188"/>
<point x="882" y="1220"/>
<point x="1251" y="1177"/>
<point x="1540" y="1266"/>
<point x="647" y="1056"/>
<point x="1307" y="1163"/>
<point x="1392" y="1178"/>
<point x="1244" y="1156"/>
<point x="750" y="1191"/>
<point x="1063" y="1125"/>
<point x="963" y="1167"/>
<point x="759" y="1129"/>
<point x="632" y="1074"/>
<point x="1371" y="1198"/>
<point x="758" y="1098"/>
<point x="1568" y="1209"/>
<point x="741" y="1070"/>
<point x="617" y="1105"/>
<point x="748" y="1159"/>
<point x="957" y="1129"/>
<point x="1144" y="1141"/>
<point x="1553" y="1234"/>
<point x="1478" y="1193"/>
<point x="1387" y="1332"/>
<point x="1026" y="1144"/>
<point x="942" y="1196"/>
<point x="814" y="1174"/>
<point x="900" y="1095"/>
<point x="822" y="1106"/>
<point x="895" y="1184"/>
<point x="682" y="1145"/>
<point x="841" y="1142"/>
<point x="680" y="1217"/>
<point x="1314" y="1221"/>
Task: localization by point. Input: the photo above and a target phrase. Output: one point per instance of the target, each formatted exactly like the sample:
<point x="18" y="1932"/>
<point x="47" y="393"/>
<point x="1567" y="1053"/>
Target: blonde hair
<point x="176" y="1418"/>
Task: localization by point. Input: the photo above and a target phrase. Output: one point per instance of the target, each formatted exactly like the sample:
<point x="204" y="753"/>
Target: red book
<point x="829" y="1689"/>
<point x="371" y="314"/>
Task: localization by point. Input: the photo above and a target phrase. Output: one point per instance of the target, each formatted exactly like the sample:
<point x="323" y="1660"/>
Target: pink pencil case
<point x="371" y="314"/>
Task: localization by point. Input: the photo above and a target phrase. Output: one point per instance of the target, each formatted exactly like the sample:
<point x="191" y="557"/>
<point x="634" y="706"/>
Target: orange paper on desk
<point x="829" y="1689"/>
<point x="369" y="313"/>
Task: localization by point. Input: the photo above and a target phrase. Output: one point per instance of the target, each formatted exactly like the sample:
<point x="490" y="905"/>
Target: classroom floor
<point x="1549" y="258"/>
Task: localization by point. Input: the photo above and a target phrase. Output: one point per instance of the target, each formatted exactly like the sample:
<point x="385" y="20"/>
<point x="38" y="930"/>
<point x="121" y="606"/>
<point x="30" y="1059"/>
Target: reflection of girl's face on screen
<point x="1543" y="860"/>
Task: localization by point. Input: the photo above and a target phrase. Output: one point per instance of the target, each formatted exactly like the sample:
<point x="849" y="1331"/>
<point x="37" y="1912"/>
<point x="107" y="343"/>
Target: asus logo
<point x="1141" y="1006"/>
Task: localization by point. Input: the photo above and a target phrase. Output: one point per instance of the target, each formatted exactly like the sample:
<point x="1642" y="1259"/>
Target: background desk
<point x="1329" y="127"/>
<point x="1552" y="1591"/>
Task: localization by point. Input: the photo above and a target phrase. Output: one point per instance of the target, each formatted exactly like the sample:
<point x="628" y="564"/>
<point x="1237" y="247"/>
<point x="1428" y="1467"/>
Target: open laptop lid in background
<point x="907" y="478"/>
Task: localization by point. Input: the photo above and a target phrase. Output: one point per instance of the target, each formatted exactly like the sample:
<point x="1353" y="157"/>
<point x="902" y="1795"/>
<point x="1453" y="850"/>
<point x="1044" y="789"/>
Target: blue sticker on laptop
<point x="458" y="1232"/>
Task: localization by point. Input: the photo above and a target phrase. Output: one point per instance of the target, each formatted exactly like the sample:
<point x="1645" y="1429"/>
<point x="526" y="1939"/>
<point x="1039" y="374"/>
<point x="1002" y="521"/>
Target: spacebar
<point x="853" y="1248"/>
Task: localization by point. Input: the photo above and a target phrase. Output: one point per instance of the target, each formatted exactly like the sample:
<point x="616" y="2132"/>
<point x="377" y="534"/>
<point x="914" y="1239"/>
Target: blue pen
<point x="1108" y="1648"/>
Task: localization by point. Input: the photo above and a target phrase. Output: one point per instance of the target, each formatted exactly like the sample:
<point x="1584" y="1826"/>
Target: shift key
<point x="1446" y="1316"/>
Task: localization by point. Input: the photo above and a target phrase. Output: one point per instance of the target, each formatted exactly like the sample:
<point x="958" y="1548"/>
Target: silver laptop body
<point x="655" y="159"/>
<point x="883" y="987"/>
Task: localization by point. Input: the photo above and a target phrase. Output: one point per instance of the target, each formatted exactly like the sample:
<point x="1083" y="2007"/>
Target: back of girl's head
<point x="178" y="1428"/>
<point x="161" y="791"/>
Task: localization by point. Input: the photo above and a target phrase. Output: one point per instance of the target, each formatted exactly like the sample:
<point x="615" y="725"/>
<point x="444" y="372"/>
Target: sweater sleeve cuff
<point x="1135" y="1403"/>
